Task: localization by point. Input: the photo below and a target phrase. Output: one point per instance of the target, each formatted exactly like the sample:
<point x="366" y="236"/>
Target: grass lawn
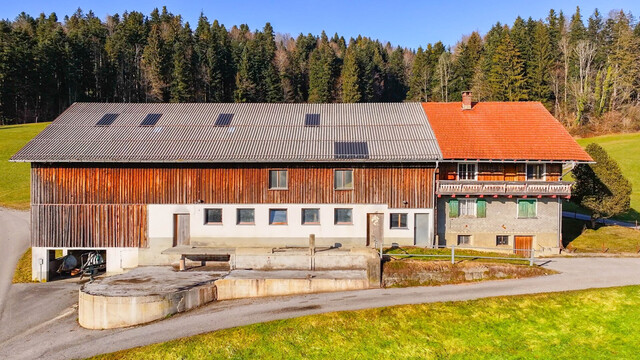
<point x="624" y="149"/>
<point x="14" y="182"/>
<point x="22" y="273"/>
<point x="616" y="239"/>
<point x="590" y="324"/>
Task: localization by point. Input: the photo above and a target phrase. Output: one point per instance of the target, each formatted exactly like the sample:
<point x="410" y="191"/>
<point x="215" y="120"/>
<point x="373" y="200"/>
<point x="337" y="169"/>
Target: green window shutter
<point x="453" y="208"/>
<point x="526" y="208"/>
<point x="481" y="210"/>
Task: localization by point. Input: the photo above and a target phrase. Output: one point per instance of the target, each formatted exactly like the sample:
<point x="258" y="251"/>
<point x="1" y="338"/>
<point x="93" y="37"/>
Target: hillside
<point x="14" y="182"/>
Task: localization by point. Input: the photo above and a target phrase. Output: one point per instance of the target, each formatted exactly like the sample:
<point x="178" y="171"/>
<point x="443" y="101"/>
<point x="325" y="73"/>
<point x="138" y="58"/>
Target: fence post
<point x="531" y="257"/>
<point x="453" y="254"/>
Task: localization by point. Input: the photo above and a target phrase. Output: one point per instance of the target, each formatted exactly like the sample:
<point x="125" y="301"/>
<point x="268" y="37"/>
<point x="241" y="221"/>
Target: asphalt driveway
<point x="14" y="241"/>
<point x="53" y="332"/>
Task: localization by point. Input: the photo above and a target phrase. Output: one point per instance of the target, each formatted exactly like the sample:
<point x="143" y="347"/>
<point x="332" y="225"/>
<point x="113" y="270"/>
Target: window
<point x="464" y="239"/>
<point x="398" y="221"/>
<point x="107" y="119"/>
<point x="467" y="207"/>
<point x="502" y="240"/>
<point x="223" y="120"/>
<point x="311" y="120"/>
<point x="535" y="171"/>
<point x="527" y="208"/>
<point x="343" y="179"/>
<point x="213" y="216"/>
<point x="343" y="216"/>
<point x="246" y="217"/>
<point x="278" y="179"/>
<point x="150" y="119"/>
<point x="310" y="216"/>
<point x="467" y="171"/>
<point x="277" y="216"/>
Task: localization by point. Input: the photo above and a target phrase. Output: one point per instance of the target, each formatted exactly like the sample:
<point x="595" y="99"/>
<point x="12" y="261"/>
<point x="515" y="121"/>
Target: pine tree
<point x="467" y="56"/>
<point x="351" y="77"/>
<point x="506" y="78"/>
<point x="182" y="89"/>
<point x="395" y="85"/>
<point x="541" y="65"/>
<point x="419" y="83"/>
<point x="322" y="73"/>
<point x="154" y="62"/>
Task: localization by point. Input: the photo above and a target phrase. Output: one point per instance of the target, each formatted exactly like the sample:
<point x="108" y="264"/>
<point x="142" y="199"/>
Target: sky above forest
<point x="406" y="23"/>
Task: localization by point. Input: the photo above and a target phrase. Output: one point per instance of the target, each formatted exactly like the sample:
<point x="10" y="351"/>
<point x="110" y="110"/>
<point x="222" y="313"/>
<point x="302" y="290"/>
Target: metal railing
<point x="451" y="187"/>
<point x="530" y="258"/>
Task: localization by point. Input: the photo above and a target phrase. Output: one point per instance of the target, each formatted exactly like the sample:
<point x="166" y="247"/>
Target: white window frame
<point x="518" y="209"/>
<point x="544" y="171"/>
<point x="468" y="202"/>
<point x="458" y="239"/>
<point x="278" y="187"/>
<point x="335" y="183"/>
<point x="508" y="240"/>
<point x="475" y="173"/>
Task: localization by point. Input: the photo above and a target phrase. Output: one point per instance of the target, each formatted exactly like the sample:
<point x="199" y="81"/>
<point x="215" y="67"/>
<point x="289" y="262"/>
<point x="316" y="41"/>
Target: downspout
<point x="434" y="205"/>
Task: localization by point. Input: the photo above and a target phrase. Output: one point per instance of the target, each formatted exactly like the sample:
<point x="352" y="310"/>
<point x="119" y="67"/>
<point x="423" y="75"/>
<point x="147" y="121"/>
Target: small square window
<point x="343" y="216"/>
<point x="310" y="216"/>
<point x="464" y="239"/>
<point x="246" y="217"/>
<point x="213" y="216"/>
<point x="343" y="179"/>
<point x="502" y="240"/>
<point x="278" y="179"/>
<point x="398" y="221"/>
<point x="277" y="216"/>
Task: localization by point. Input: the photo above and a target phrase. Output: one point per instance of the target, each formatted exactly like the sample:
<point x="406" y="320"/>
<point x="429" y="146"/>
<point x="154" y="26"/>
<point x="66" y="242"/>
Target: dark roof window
<point x="312" y="120"/>
<point x="224" y="120"/>
<point x="351" y="150"/>
<point x="107" y="119"/>
<point x="150" y="120"/>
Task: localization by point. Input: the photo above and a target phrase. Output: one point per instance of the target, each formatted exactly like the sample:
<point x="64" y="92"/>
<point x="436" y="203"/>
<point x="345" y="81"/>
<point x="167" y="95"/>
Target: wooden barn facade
<point x="138" y="180"/>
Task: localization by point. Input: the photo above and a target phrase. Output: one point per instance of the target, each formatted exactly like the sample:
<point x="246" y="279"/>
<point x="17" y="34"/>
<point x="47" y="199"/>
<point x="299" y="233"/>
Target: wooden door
<point x="181" y="233"/>
<point x="421" y="232"/>
<point x="375" y="229"/>
<point x="523" y="245"/>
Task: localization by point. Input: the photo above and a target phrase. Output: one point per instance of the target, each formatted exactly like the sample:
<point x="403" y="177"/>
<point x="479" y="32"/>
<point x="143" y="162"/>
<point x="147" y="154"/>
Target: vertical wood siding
<point x="80" y="205"/>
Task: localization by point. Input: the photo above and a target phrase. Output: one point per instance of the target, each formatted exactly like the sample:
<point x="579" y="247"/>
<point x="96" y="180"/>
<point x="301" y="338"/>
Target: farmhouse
<point x="500" y="182"/>
<point x="147" y="184"/>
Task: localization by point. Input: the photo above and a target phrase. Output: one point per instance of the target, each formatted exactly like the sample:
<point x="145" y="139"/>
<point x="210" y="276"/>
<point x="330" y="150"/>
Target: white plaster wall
<point x="161" y="223"/>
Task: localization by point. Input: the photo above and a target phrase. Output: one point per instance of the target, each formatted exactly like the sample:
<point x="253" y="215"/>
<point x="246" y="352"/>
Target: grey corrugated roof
<point x="257" y="133"/>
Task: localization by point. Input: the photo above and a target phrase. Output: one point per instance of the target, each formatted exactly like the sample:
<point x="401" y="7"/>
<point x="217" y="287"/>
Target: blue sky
<point x="407" y="23"/>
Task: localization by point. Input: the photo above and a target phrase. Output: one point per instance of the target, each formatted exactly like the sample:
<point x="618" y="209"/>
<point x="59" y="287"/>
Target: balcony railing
<point x="455" y="187"/>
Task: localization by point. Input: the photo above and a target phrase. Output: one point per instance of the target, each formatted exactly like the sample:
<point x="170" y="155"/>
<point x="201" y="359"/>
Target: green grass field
<point x="624" y="149"/>
<point x="590" y="324"/>
<point x="14" y="182"/>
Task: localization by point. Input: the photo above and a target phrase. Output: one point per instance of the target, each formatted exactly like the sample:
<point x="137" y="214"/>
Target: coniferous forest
<point x="584" y="69"/>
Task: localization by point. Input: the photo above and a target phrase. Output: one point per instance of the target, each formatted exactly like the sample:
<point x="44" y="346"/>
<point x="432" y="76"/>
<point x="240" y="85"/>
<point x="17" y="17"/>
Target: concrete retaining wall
<point x="247" y="288"/>
<point x="108" y="312"/>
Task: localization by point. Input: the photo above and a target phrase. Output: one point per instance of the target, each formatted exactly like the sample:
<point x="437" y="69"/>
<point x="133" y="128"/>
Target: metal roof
<point x="392" y="132"/>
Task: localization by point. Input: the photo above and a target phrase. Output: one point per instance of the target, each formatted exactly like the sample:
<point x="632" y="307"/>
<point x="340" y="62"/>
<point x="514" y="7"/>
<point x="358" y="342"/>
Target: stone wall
<point x="502" y="219"/>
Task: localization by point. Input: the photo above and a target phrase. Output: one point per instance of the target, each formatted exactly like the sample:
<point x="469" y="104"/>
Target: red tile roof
<point x="501" y="131"/>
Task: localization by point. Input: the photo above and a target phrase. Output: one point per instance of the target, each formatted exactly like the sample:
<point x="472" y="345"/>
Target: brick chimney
<point x="466" y="100"/>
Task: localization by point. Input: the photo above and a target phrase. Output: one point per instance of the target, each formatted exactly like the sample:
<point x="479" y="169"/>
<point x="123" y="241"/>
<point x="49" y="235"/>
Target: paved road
<point x="573" y="215"/>
<point x="62" y="338"/>
<point x="14" y="241"/>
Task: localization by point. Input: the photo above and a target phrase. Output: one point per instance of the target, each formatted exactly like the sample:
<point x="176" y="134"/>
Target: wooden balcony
<point x="504" y="188"/>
